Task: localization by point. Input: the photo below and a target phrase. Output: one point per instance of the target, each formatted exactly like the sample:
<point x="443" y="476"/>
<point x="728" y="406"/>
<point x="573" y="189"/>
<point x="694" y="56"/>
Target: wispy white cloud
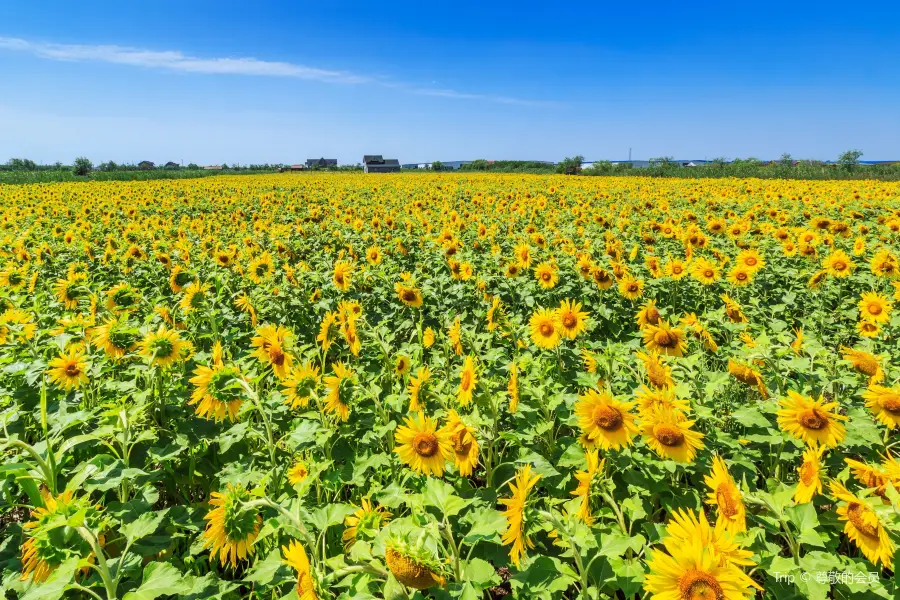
<point x="173" y="60"/>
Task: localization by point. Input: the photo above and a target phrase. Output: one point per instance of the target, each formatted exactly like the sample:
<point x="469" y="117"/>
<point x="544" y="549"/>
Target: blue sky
<point x="223" y="81"/>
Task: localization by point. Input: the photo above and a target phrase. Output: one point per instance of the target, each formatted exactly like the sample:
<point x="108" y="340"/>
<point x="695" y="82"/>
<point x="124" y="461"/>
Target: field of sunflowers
<point x="449" y="386"/>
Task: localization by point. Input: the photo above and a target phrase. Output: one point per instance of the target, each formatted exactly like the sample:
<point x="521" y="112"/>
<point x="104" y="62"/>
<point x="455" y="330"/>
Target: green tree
<point x="82" y="166"/>
<point x="786" y="160"/>
<point x="193" y="166"/>
<point x="570" y="165"/>
<point x="849" y="160"/>
<point x="437" y="166"/>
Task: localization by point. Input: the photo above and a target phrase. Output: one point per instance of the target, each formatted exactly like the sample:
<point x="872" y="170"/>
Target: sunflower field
<point x="347" y="386"/>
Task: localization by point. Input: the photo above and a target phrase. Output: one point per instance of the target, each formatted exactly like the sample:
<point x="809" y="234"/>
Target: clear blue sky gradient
<point x="424" y="81"/>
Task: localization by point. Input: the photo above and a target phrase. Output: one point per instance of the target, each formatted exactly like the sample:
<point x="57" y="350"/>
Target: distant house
<point x="171" y="165"/>
<point x="297" y="167"/>
<point x="375" y="163"/>
<point x="146" y="165"/>
<point x="320" y="163"/>
<point x="213" y="168"/>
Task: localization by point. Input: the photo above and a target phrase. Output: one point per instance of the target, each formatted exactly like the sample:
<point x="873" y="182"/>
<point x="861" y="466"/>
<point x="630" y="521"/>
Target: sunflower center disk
<point x="546" y="329"/>
<point x="607" y="418"/>
<point x="668" y="435"/>
<point x="860" y="516"/>
<point x="663" y="338"/>
<point x="813" y="419"/>
<point x="425" y="445"/>
<point x="697" y="585"/>
<point x="891" y="403"/>
<point x="726" y="501"/>
<point x="807" y="473"/>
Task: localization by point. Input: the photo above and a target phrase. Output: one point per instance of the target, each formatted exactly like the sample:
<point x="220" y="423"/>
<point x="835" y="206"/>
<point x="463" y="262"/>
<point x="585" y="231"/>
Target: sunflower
<point x="585" y="484"/>
<point x="864" y="362"/>
<point x="495" y="311"/>
<point x="874" y="307"/>
<point x="740" y="276"/>
<point x="605" y="421"/>
<point x="333" y="402"/>
<point x="401" y="365"/>
<point x="631" y="288"/>
<point x="373" y="255"/>
<point x="71" y="290"/>
<point x="808" y="482"/>
<point x="748" y="376"/>
<point x="271" y="343"/>
<point x="733" y="310"/>
<point x="411" y="565"/>
<point x="602" y="278"/>
<point x="884" y="402"/>
<point x="341" y="277"/>
<point x="668" y="433"/>
<point x="664" y="339"/>
<point x="217" y="392"/>
<point x="69" y="371"/>
<point x="705" y="271"/>
<point x="512" y="270"/>
<point x="467" y="381"/>
<point x="16" y="325"/>
<point x="194" y="297"/>
<point x="295" y="557"/>
<point x="545" y="329"/>
<point x="546" y="275"/>
<point x="261" y="268"/>
<point x="685" y="526"/>
<point x="512" y="387"/>
<point x="516" y="534"/>
<point x="797" y="344"/>
<point x="658" y="373"/>
<point x="50" y="540"/>
<point x="180" y="279"/>
<point x="454" y="336"/>
<point x="162" y="347"/>
<point x="408" y="293"/>
<point x="416" y="387"/>
<point x="838" y="264"/>
<point x="230" y="530"/>
<point x="648" y="314"/>
<point x="815" y="422"/>
<point x="692" y="569"/>
<point x="885" y="264"/>
<point x="750" y="259"/>
<point x="326" y="331"/>
<point x="863" y="526"/>
<point x="300" y="385"/>
<point x="122" y="297"/>
<point x="523" y="255"/>
<point x="298" y="472"/>
<point x="571" y="319"/>
<point x="868" y="329"/>
<point x="726" y="497"/>
<point x="366" y="521"/>
<point x="428" y="337"/>
<point x="465" y="445"/>
<point x="115" y="337"/>
<point x="422" y="446"/>
<point x="649" y="400"/>
<point x="676" y="269"/>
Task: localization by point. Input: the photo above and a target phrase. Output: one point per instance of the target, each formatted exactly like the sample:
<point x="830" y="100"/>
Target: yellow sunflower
<point x="664" y="339"/>
<point x="838" y="264"/>
<point x="658" y="373"/>
<point x="516" y="534"/>
<point x="631" y="288"/>
<point x="546" y="275"/>
<point x="465" y="445"/>
<point x="512" y="387"/>
<point x="874" y="307"/>
<point x="217" y="393"/>
<point x="685" y="526"/>
<point x="300" y="385"/>
<point x="585" y="480"/>
<point x="162" y="347"/>
<point x="298" y="472"/>
<point x="468" y="378"/>
<point x="864" y="362"/>
<point x="416" y="388"/>
<point x="648" y="314"/>
<point x="605" y="421"/>
<point x="808" y="481"/>
<point x="545" y="329"/>
<point x="343" y="272"/>
<point x="334" y="403"/>
<point x="693" y="570"/>
<point x="815" y="422"/>
<point x="230" y="530"/>
<point x="422" y="446"/>
<point x="571" y="320"/>
<point x="69" y="371"/>
<point x="726" y="497"/>
<point x="295" y="556"/>
<point x="884" y="402"/>
<point x="863" y="526"/>
<point x="668" y="433"/>
<point x="366" y="521"/>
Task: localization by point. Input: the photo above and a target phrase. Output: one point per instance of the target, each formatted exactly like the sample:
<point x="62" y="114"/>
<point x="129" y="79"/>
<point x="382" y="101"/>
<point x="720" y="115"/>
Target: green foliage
<point x="82" y="166"/>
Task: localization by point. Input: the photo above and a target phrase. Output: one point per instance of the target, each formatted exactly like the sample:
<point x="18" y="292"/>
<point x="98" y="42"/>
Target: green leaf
<point x="804" y="518"/>
<point x="160" y="579"/>
<point x="439" y="494"/>
<point x="544" y="576"/>
<point x="333" y="514"/>
<point x="144" y="525"/>
<point x="750" y="416"/>
<point x="480" y="573"/>
<point x="264" y="571"/>
<point x="487" y="524"/>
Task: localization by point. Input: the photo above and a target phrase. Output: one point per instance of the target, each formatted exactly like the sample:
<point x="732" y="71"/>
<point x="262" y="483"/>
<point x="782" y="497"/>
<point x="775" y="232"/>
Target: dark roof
<point x="372" y="159"/>
<point x="321" y="162"/>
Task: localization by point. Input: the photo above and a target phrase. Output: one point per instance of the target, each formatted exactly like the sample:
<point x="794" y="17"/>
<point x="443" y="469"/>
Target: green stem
<point x="102" y="567"/>
<point x="49" y="473"/>
<point x="448" y="535"/>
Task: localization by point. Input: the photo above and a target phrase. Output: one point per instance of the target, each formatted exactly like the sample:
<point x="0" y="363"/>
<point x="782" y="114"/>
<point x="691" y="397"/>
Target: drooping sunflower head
<point x="648" y="314"/>
<point x="401" y="365"/>
<point x="122" y="298"/>
<point x="364" y="523"/>
<point x="863" y="526"/>
<point x="116" y="336"/>
<point x="231" y="530"/>
<point x="815" y="422"/>
<point x="884" y="402"/>
<point x="412" y="564"/>
<point x="726" y="497"/>
<point x="50" y="537"/>
<point x="864" y="362"/>
<point x="218" y="393"/>
<point x="341" y="277"/>
<point x="658" y="373"/>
